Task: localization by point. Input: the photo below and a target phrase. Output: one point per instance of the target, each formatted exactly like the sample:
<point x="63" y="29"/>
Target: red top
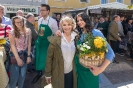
<point x="2" y="31"/>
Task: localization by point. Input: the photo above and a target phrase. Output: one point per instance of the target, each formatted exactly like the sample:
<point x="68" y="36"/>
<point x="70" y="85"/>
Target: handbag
<point x="22" y="54"/>
<point x="123" y="44"/>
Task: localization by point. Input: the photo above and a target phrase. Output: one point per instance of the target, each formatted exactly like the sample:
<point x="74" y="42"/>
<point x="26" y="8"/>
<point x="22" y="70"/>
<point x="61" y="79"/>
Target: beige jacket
<point x="55" y="64"/>
<point x="113" y="31"/>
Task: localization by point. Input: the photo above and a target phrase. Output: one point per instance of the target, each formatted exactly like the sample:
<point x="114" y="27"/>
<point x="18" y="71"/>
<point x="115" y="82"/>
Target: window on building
<point x="84" y="1"/>
<point x="60" y="0"/>
<point x="104" y="1"/>
<point x="121" y="1"/>
<point x="35" y="0"/>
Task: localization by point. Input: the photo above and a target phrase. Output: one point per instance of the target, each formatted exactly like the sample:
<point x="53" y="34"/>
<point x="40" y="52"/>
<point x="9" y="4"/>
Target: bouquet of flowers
<point x="2" y="41"/>
<point x="92" y="51"/>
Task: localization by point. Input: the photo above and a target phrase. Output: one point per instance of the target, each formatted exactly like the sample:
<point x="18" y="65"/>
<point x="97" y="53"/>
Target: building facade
<point x="60" y="6"/>
<point x="57" y="6"/>
<point x="28" y="6"/>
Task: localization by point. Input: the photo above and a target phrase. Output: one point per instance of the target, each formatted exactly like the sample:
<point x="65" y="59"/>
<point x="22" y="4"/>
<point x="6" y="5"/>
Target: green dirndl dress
<point x="41" y="45"/>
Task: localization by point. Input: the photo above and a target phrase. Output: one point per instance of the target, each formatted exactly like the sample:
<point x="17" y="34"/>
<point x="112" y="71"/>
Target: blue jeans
<point x="17" y="75"/>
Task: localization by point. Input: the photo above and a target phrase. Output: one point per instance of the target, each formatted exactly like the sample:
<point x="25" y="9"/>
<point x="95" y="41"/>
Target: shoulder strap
<point x="75" y="43"/>
<point x="5" y="31"/>
<point x="39" y="25"/>
<point x="41" y="21"/>
<point x="48" y="21"/>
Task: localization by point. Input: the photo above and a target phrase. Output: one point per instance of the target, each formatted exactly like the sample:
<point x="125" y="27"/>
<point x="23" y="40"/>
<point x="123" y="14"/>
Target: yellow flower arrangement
<point x="93" y="48"/>
<point x="93" y="45"/>
<point x="2" y="41"/>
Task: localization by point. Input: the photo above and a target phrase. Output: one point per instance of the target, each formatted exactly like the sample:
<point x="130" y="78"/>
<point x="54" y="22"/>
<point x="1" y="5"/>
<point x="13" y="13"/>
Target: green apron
<point x="85" y="78"/>
<point x="41" y="45"/>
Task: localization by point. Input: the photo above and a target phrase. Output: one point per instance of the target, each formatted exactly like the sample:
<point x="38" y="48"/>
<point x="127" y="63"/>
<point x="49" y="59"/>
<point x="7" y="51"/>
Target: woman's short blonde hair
<point x="68" y="19"/>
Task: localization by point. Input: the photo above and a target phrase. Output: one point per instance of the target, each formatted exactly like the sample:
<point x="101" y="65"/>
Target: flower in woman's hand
<point x="86" y="42"/>
<point x="2" y="41"/>
<point x="106" y="50"/>
<point x="88" y="47"/>
<point x="82" y="49"/>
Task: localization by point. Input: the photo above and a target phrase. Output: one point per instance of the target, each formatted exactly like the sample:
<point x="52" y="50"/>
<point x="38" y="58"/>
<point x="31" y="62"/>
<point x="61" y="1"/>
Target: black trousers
<point x="130" y="48"/>
<point x="118" y="50"/>
<point x="69" y="80"/>
<point x="113" y="45"/>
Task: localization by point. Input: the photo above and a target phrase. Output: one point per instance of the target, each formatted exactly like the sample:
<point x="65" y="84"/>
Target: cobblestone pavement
<point x="122" y="72"/>
<point x="29" y="78"/>
<point x="114" y="75"/>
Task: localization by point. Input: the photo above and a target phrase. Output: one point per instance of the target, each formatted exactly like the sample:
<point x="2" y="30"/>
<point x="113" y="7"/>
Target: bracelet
<point x="17" y="57"/>
<point x="28" y="56"/>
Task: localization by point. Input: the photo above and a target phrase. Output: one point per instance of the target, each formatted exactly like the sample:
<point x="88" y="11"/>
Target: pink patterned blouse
<point x="22" y="42"/>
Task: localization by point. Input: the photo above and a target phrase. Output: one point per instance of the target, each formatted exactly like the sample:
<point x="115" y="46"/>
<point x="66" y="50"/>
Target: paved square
<point x="115" y="76"/>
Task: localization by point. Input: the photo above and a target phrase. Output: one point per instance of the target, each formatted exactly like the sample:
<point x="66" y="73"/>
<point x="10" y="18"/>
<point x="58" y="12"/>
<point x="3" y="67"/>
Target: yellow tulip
<point x="98" y="43"/>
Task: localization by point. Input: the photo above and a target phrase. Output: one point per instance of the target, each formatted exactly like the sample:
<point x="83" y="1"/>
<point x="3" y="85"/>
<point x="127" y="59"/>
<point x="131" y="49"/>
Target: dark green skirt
<point x="85" y="78"/>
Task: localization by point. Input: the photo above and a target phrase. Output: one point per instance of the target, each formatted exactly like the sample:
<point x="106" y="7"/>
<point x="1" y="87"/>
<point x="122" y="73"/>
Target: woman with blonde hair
<point x="20" y="41"/>
<point x="59" y="69"/>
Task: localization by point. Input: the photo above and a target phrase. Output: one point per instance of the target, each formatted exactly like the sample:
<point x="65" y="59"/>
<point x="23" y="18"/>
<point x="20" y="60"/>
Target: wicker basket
<point x="94" y="60"/>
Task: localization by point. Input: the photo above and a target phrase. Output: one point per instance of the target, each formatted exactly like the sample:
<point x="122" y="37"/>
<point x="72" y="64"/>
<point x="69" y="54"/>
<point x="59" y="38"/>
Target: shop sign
<point x="14" y="9"/>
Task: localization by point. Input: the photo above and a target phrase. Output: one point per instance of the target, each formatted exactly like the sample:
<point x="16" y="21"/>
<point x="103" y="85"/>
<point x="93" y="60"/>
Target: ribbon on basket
<point x="95" y="60"/>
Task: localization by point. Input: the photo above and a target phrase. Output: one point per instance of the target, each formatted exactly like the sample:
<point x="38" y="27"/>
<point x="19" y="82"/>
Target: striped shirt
<point x="2" y="31"/>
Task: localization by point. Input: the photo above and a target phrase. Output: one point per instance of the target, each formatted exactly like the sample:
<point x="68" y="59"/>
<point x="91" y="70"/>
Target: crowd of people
<point x="50" y="49"/>
<point x="118" y="32"/>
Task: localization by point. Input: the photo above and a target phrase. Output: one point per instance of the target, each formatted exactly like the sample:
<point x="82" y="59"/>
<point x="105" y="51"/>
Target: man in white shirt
<point x="47" y="27"/>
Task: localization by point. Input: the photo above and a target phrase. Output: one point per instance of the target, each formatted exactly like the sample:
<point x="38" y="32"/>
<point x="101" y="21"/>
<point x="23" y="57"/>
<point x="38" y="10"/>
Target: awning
<point x="75" y="10"/>
<point x="113" y="5"/>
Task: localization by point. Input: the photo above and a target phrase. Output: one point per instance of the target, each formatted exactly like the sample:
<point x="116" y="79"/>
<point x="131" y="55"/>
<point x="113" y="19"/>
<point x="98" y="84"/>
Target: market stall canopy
<point x="113" y="5"/>
<point x="75" y="10"/>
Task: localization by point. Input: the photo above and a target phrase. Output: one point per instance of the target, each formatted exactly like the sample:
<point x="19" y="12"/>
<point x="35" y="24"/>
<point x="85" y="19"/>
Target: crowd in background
<point x="124" y="26"/>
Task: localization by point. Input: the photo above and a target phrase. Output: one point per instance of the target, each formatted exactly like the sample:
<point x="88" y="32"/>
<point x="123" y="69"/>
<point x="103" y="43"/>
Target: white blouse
<point x="68" y="51"/>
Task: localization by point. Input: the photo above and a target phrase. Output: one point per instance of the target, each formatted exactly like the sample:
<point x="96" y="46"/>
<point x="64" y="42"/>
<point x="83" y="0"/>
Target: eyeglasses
<point x="43" y="10"/>
<point x="19" y="22"/>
